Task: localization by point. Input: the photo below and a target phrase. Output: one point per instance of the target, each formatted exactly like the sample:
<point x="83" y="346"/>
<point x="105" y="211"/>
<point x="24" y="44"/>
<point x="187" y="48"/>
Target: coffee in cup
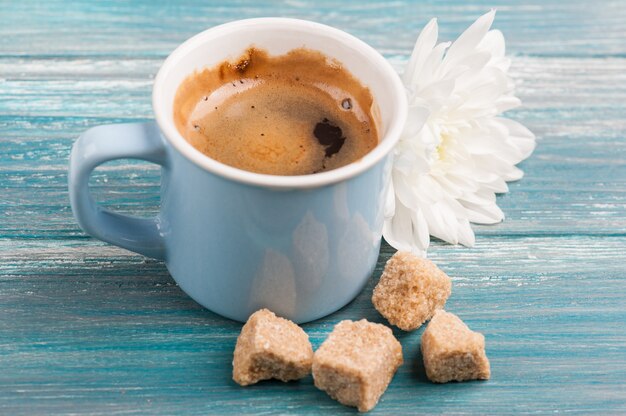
<point x="294" y="114"/>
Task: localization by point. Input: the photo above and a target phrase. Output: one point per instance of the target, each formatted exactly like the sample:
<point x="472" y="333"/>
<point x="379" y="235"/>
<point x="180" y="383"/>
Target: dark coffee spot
<point x="251" y="106"/>
<point x="335" y="147"/>
<point x="241" y="81"/>
<point x="330" y="136"/>
<point x="216" y="108"/>
<point x="297" y="78"/>
<point x="262" y="134"/>
<point x="206" y="98"/>
<point x="234" y="85"/>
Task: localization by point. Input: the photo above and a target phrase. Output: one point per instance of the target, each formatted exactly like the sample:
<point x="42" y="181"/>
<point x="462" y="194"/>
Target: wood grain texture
<point x="88" y="328"/>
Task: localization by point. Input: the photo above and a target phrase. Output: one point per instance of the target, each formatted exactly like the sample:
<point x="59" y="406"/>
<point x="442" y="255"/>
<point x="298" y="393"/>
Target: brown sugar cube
<point x="356" y="363"/>
<point x="452" y="351"/>
<point x="271" y="347"/>
<point x="410" y="290"/>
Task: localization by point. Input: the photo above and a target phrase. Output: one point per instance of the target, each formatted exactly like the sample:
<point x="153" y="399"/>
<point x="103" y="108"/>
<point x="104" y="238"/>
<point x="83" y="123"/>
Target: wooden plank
<point x="148" y="28"/>
<point x="567" y="105"/>
<point x="89" y="323"/>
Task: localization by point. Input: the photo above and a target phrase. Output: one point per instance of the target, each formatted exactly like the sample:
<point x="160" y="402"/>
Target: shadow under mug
<point x="237" y="241"/>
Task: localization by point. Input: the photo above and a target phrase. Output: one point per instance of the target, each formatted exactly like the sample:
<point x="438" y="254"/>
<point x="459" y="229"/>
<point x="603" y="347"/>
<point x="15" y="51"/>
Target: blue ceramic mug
<point x="236" y="241"/>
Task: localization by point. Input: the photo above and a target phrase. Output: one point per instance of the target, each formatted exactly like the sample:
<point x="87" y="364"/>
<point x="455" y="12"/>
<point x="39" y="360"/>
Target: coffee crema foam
<point x="293" y="114"/>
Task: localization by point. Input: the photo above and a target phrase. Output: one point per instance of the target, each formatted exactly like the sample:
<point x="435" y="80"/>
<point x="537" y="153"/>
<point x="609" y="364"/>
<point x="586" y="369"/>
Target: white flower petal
<point x="461" y="181"/>
<point x="483" y="197"/>
<point x="437" y="93"/>
<point x="514" y="174"/>
<point x="483" y="91"/>
<point x="423" y="46"/>
<point x="398" y="231"/>
<point x="486" y="144"/>
<point x="416" y="117"/>
<point x="420" y="227"/>
<point x="430" y="137"/>
<point x="470" y="64"/>
<point x="450" y="187"/>
<point x="484" y="214"/>
<point x="466" y="235"/>
<point x="498" y="186"/>
<point x="520" y="137"/>
<point x="506" y="103"/>
<point x="493" y="41"/>
<point x="430" y="71"/>
<point x="469" y="39"/>
<point x="440" y="223"/>
<point x="493" y="164"/>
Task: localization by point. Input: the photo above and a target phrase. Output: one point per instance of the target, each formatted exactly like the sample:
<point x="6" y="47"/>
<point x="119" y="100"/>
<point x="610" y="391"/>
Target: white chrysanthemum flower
<point x="455" y="153"/>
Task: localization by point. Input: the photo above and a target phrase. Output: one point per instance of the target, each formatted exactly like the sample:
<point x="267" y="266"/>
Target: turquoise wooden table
<point x="88" y="328"/>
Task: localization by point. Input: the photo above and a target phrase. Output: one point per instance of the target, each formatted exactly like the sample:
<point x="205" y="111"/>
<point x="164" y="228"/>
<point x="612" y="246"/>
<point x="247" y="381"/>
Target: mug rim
<point x="384" y="147"/>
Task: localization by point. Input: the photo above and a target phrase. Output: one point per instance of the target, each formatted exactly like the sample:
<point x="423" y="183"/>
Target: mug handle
<point x="101" y="144"/>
